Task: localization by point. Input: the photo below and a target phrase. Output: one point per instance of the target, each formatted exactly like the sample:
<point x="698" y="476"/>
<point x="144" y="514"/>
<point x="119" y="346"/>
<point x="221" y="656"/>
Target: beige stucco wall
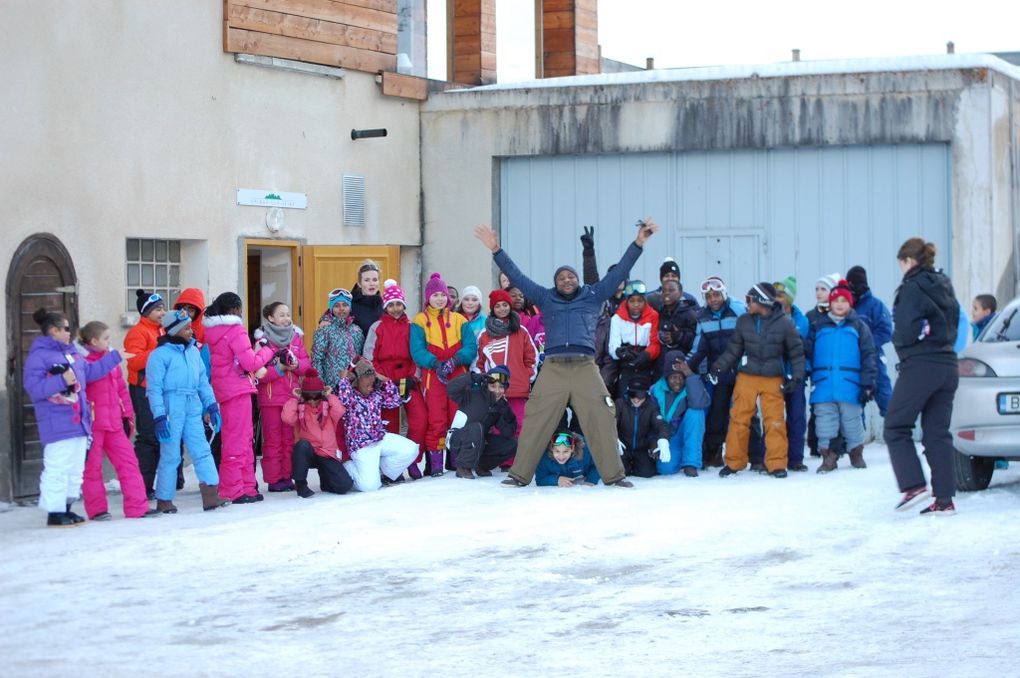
<point x="127" y="119"/>
<point x="968" y="106"/>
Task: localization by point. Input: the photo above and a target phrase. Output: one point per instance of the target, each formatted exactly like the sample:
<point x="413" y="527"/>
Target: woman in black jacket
<point x="925" y="320"/>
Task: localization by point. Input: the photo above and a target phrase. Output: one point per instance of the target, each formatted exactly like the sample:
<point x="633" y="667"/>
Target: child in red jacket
<point x="275" y="389"/>
<point x="112" y="425"/>
<point x="388" y="347"/>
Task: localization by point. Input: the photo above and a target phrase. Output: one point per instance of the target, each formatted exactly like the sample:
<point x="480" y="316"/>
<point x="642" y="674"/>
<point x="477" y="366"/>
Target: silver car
<point x="986" y="412"/>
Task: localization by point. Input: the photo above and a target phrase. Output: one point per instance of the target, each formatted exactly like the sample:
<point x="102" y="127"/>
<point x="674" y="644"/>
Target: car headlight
<point x="970" y="367"/>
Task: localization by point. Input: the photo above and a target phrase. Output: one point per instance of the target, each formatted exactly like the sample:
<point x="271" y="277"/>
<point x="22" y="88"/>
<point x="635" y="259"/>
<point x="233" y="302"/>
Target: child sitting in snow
<point x="316" y="413"/>
<point x="683" y="401"/>
<point x="568" y="463"/>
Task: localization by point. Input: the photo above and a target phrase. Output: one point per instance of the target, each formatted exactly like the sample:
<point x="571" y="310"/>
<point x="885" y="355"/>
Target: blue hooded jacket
<point x="175" y="373"/>
<point x="549" y="471"/>
<point x="841" y="358"/>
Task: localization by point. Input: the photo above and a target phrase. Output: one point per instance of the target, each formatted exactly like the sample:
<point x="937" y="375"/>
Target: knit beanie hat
<point x="669" y="266"/>
<point x="471" y="291"/>
<point x="671" y="362"/>
<point x="176" y="321"/>
<point x="392" y="293"/>
<point x="857" y="278"/>
<point x="828" y="281"/>
<point x="496" y="296"/>
<point x="763" y="293"/>
<point x="787" y="286"/>
<point x="312" y="383"/>
<point x="435" y="284"/>
<point x="146" y="303"/>
<point x="842" y="289"/>
<point x="338" y="295"/>
<point x="564" y="267"/>
<point x="364" y="369"/>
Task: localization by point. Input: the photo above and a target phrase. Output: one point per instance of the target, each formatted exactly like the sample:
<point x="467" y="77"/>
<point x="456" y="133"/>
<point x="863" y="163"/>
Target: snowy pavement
<point x="751" y="575"/>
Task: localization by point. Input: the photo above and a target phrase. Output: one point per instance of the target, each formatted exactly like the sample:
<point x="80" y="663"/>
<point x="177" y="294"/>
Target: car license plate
<point x="1009" y="403"/>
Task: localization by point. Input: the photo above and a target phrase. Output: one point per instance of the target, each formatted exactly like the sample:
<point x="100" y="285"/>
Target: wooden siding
<point x="569" y="38"/>
<point x="356" y="34"/>
<point x="473" y="42"/>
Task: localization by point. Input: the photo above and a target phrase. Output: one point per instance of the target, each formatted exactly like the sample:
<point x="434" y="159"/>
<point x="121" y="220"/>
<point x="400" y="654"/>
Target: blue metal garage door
<point x="746" y="215"/>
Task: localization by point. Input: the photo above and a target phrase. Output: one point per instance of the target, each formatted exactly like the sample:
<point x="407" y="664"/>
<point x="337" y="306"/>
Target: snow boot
<point x="690" y="472"/>
<point x="940" y="507"/>
<point x="464" y="472"/>
<point x="857" y="457"/>
<point x="211" y="497"/>
<point x="726" y="471"/>
<point x="102" y="517"/>
<point x="778" y="473"/>
<point x="74" y="516"/>
<point x="622" y="482"/>
<point x="830" y="460"/>
<point x="282" y="486"/>
<point x="59" y="519"/>
<point x="436" y="463"/>
<point x="798" y="468"/>
<point x="911" y="497"/>
<point x="165" y="506"/>
<point x="413" y="471"/>
<point x="510" y="481"/>
<point x="303" y="490"/>
<point x="758" y="468"/>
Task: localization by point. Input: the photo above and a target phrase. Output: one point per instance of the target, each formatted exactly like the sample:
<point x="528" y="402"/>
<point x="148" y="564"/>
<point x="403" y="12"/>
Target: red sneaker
<point x="911" y="497"/>
<point x="938" y="508"/>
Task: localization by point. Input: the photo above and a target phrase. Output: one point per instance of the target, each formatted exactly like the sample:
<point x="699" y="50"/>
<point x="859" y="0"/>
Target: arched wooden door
<point x="41" y="275"/>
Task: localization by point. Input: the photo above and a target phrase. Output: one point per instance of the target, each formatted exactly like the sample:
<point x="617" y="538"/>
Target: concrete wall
<point x="969" y="108"/>
<point x="127" y="119"/>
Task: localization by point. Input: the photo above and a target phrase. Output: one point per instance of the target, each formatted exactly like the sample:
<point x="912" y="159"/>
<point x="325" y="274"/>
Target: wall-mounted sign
<point x="260" y="198"/>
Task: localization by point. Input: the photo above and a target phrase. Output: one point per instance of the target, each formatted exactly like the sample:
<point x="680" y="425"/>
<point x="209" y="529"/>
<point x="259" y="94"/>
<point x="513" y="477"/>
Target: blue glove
<point x="162" y="429"/>
<point x="215" y="421"/>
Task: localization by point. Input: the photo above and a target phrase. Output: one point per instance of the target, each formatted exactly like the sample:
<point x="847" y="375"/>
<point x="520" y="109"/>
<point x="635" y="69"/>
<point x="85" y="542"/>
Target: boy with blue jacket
<point x="180" y="397"/>
<point x="842" y="364"/>
<point x="683" y="402"/>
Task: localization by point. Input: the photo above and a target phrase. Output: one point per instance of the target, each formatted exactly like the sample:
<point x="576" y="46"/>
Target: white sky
<point x="679" y="33"/>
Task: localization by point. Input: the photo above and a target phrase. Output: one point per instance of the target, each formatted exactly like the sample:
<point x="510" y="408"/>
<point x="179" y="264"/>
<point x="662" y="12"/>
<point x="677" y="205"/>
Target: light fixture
<point x="275" y="219"/>
<point x="367" y="133"/>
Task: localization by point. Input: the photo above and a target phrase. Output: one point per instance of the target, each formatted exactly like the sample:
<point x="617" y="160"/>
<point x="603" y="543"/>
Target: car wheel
<point x="973" y="473"/>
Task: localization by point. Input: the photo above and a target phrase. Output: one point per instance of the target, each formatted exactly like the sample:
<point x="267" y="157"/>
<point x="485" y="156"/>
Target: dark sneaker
<point x="482" y="473"/>
<point x="690" y="472"/>
<point x="778" y="473"/>
<point x="726" y="471"/>
<point x="304" y="491"/>
<point x="75" y="517"/>
<point x="622" y="482"/>
<point x="758" y="468"/>
<point x="510" y="481"/>
<point x="60" y="520"/>
<point x="465" y="473"/>
<point x="940" y="508"/>
<point x="798" y="468"/>
<point x="247" y="499"/>
<point x="151" y="513"/>
<point x="281" y="486"/>
<point x="911" y="497"/>
<point x="104" y="516"/>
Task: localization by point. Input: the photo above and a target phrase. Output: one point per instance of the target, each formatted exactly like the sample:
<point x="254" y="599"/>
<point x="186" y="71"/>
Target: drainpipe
<point x="1014" y="173"/>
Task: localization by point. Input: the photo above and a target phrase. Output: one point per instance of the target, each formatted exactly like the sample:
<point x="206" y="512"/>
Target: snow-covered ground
<point x="811" y="575"/>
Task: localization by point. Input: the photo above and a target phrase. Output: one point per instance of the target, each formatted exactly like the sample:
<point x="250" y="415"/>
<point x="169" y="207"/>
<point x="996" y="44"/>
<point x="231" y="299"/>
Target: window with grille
<point x="153" y="265"/>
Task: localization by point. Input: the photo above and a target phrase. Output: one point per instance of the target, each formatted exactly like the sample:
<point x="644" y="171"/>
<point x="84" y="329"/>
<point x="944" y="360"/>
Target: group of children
<point x="688" y="377"/>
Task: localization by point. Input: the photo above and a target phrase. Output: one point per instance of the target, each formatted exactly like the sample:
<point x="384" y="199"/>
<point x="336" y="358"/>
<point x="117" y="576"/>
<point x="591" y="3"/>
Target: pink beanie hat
<point x="392" y="293"/>
<point x="435" y="284"/>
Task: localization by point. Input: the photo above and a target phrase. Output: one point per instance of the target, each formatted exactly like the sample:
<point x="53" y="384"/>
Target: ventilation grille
<point x="354" y="200"/>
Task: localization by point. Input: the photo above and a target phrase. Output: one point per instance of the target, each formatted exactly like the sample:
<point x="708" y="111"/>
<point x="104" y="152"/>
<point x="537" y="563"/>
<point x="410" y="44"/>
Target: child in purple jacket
<point x="55" y="377"/>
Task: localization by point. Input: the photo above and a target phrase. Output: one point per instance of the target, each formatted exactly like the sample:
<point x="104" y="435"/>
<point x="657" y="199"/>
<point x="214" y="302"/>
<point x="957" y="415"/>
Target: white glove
<point x="664" y="455"/>
<point x="619" y="446"/>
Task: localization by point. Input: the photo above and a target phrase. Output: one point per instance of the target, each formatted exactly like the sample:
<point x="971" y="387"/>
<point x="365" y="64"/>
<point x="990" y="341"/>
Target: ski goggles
<point x="497" y="378"/>
<point x="635" y="287"/>
<point x="759" y="296"/>
<point x="563" y="440"/>
<point x="713" y="284"/>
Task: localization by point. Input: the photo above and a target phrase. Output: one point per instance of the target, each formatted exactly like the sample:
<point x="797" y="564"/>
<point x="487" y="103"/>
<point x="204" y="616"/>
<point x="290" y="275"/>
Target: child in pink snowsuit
<point x="236" y="369"/>
<point x="283" y="375"/>
<point x="112" y="425"/>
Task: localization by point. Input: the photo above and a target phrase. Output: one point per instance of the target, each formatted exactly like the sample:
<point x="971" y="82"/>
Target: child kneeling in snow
<point x="641" y="429"/>
<point x="316" y="413"/>
<point x="372" y="449"/>
<point x="568" y="463"/>
<point x="683" y="402"/>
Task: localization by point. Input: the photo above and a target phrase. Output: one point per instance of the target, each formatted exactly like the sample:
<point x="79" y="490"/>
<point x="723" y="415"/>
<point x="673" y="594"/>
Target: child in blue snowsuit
<point x="683" y="402"/>
<point x="567" y="463"/>
<point x="180" y="396"/>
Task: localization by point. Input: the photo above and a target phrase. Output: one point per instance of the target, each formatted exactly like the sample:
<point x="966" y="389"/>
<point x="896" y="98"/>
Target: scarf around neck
<point x="495" y="327"/>
<point x="280" y="337"/>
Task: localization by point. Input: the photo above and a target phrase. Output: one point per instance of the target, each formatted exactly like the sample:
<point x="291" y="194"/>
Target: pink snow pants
<point x="237" y="456"/>
<point x="121" y="454"/>
<point x="277" y="445"/>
